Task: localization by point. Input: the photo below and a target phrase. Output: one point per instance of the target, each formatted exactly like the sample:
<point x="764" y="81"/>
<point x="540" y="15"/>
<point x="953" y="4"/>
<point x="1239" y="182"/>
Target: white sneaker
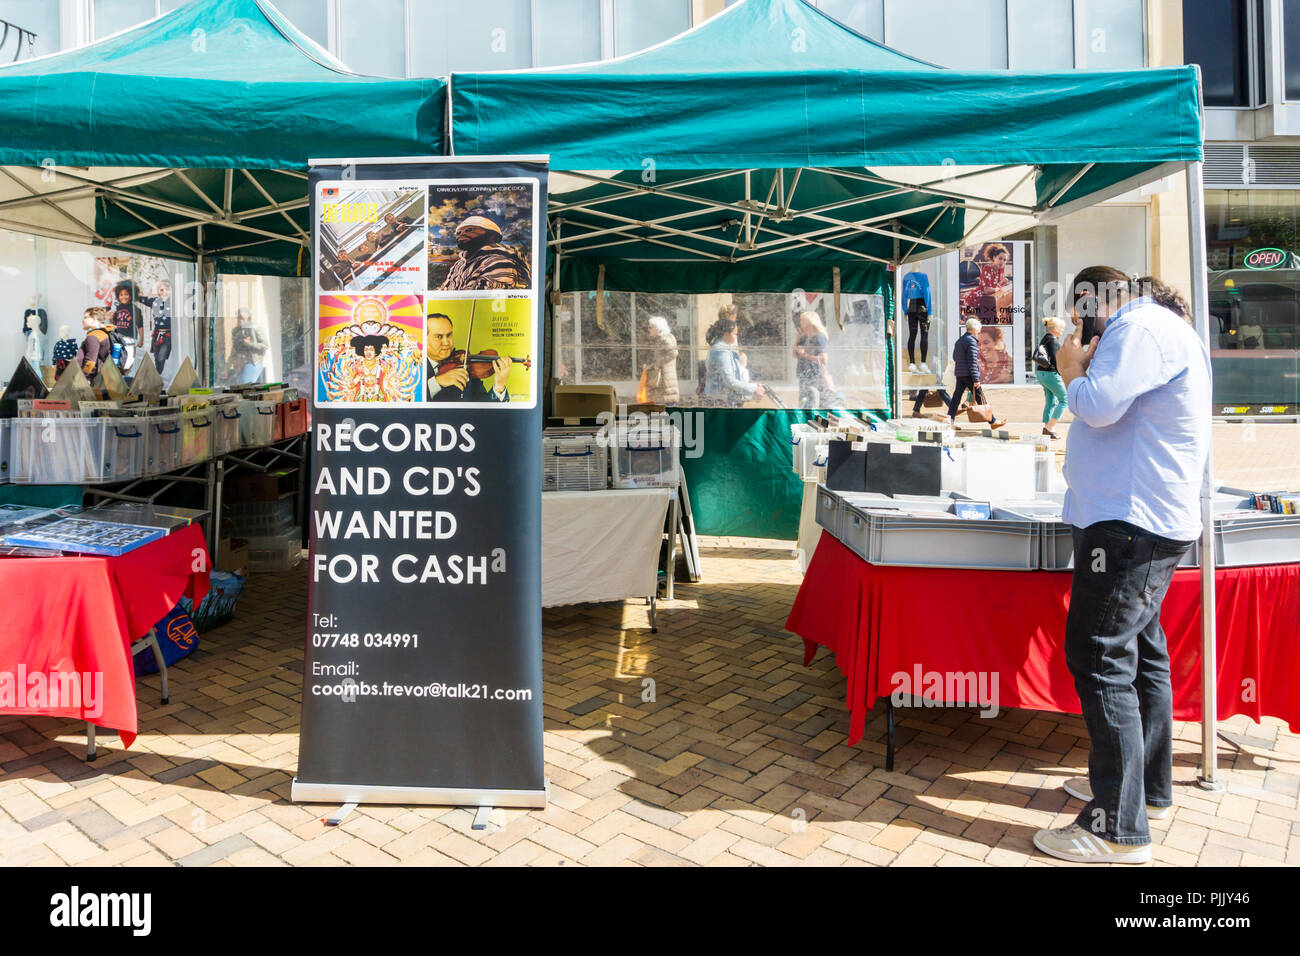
<point x="912" y="367"/>
<point x="1077" y="845"/>
<point x="1081" y="788"/>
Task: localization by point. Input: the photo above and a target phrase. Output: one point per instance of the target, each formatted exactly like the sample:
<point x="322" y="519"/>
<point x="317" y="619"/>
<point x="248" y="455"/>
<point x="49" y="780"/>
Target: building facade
<point x="1249" y="54"/>
<point x="1252" y="123"/>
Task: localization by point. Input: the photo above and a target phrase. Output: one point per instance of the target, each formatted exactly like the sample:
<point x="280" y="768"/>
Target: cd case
<point x="83" y="536"/>
<point x="167" y="517"/>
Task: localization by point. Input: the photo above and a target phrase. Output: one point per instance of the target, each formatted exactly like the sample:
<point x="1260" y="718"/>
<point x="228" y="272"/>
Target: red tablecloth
<point x="79" y="615"/>
<point x="881" y="621"/>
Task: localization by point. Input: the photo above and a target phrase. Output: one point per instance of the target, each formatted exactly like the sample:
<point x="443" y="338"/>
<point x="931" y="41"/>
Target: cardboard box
<point x="583" y="401"/>
<point x="260" y="486"/>
<point x="232" y="556"/>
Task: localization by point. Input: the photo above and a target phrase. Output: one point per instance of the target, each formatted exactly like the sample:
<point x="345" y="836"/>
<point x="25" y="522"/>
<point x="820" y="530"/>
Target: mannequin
<point x="34" y="347"/>
<point x="36" y="311"/>
<point x="161" y="311"/>
<point x="916" y="304"/>
<point x="65" y="350"/>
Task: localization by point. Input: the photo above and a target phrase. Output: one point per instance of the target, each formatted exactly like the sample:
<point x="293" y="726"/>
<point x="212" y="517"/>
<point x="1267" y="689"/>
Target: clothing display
<point x="916" y="294"/>
<point x="65" y="350"/>
<point x="160" y="342"/>
<point x="41" y="315"/>
<point x="917" y="324"/>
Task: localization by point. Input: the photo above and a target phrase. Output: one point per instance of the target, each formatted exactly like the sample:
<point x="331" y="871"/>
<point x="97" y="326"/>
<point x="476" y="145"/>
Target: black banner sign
<point x="422" y="678"/>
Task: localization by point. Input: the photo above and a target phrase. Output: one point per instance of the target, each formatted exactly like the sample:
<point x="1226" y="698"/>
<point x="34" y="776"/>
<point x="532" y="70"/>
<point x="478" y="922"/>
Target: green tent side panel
<point x="742" y="482"/>
<point x="41" y="496"/>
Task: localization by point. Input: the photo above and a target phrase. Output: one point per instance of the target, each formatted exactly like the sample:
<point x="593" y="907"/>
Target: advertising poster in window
<point x="990" y="283"/>
<point x="422" y="677"/>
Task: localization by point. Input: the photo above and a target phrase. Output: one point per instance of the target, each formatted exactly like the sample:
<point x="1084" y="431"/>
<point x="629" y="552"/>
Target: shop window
<point x="865" y="16"/>
<point x="612" y="344"/>
<point x="309" y="16"/>
<point x="262" y="331"/>
<point x="57" y="281"/>
<point x="1215" y="38"/>
<point x="40" y="17"/>
<point x="372" y="36"/>
<point x="568" y="31"/>
<point x="1112" y="34"/>
<point x="1041" y="34"/>
<point x="1254" y="311"/>
<point x="112" y="16"/>
<point x="971" y="35"/>
<point x="1291" y="48"/>
<point x="643" y="23"/>
<point x="481" y="36"/>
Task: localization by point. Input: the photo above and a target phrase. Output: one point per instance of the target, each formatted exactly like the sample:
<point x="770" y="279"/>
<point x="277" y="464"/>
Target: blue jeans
<point x="1115" y="649"/>
<point x="1054" y="387"/>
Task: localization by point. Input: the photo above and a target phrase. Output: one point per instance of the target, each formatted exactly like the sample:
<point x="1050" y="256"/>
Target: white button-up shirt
<point x="1137" y="448"/>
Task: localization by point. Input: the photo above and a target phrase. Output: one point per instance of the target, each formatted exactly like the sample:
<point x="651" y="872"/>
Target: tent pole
<point x="1208" y="779"/>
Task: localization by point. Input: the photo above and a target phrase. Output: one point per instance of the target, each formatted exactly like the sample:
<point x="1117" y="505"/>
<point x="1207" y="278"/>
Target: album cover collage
<point x="425" y="292"/>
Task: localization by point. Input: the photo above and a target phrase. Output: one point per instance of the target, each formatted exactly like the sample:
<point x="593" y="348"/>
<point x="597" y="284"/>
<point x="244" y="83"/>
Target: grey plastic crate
<point x="833" y="505"/>
<point x="828" y="509"/>
<point x="1256" y="538"/>
<point x="1056" y="547"/>
<point x="1005" y="541"/>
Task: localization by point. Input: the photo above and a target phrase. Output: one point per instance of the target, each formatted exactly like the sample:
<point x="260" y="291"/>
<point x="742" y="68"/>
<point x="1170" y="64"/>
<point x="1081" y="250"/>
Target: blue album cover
<point x="86" y="537"/>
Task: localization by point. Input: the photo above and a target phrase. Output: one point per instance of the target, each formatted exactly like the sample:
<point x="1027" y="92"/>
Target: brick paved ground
<point x="740" y="759"/>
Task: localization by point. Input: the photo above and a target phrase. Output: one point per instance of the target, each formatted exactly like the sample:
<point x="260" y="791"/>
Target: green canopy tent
<point x="188" y="136"/>
<point x="771" y="144"/>
<point x="772" y="149"/>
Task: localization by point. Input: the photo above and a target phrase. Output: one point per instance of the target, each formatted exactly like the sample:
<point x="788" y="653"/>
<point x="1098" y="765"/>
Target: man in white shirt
<point x="1135" y="463"/>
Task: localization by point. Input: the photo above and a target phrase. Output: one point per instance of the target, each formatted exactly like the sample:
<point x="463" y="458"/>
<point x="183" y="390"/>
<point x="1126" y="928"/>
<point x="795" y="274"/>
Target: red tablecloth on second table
<point x="80" y="614"/>
<point x="883" y="620"/>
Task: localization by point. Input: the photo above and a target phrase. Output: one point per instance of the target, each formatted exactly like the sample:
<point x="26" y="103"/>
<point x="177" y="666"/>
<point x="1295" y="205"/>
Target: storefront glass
<point x="49" y="283"/>
<point x="610" y="339"/>
<point x="40" y="17"/>
<point x="1254" y="295"/>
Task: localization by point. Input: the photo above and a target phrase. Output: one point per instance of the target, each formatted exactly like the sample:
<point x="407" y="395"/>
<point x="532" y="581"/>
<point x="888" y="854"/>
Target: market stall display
<point x="881" y="622"/>
<point x="602" y="545"/>
<point x="82" y="615"/>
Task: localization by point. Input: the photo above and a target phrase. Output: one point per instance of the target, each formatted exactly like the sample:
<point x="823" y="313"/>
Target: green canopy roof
<point x="773" y="83"/>
<point x="216" y="83"/>
<point x="771" y="139"/>
<point x="214" y="110"/>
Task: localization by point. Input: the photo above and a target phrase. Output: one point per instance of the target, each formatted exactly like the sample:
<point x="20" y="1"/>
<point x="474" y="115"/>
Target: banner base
<point x="416" y="796"/>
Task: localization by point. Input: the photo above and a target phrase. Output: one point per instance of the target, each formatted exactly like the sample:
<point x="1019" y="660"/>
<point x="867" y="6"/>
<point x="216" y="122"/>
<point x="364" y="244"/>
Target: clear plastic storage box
<point x="574" y="463"/>
<point x="4" y="450"/>
<point x="262" y="518"/>
<point x="56" y="451"/>
<point x="196" y="436"/>
<point x="256" y="423"/>
<point x="124" y="448"/>
<point x="225" y="428"/>
<point x="278" y="552"/>
<point x="647" y="457"/>
<point x="162" y="443"/>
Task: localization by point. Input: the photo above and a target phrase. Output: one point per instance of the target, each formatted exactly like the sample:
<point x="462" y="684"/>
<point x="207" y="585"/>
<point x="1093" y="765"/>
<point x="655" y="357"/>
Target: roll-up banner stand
<point x="422" y="680"/>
